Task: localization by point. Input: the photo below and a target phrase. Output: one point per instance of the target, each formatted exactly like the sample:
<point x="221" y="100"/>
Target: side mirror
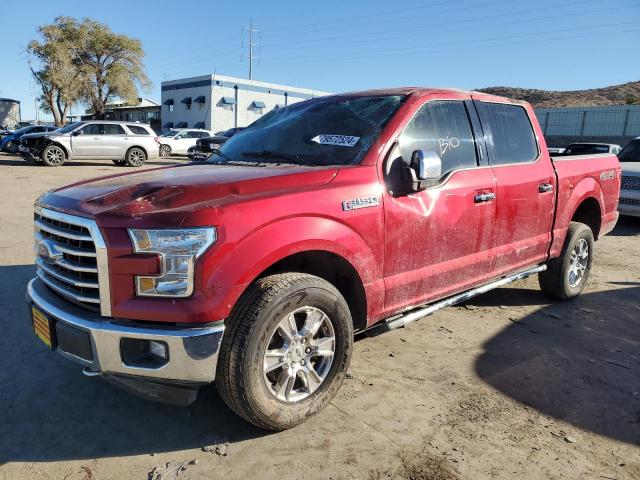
<point x="427" y="165"/>
<point x="76" y="133"/>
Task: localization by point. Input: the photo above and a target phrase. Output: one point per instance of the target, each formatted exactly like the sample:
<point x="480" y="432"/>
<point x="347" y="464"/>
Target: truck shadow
<point x="576" y="361"/>
<point x="50" y="411"/>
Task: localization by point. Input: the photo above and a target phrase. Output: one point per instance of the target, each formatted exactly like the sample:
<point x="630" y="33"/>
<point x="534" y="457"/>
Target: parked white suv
<point x="178" y="141"/>
<point x="629" y="157"/>
<point x="124" y="143"/>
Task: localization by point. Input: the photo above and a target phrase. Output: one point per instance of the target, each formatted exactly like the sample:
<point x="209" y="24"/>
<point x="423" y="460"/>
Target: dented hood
<point x="170" y="194"/>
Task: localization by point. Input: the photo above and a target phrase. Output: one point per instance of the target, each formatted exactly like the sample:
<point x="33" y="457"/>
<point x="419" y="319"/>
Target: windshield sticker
<point x="448" y="144"/>
<point x="338" y="140"/>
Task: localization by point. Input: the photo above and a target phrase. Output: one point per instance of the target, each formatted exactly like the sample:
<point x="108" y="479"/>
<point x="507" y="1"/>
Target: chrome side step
<point x="421" y="312"/>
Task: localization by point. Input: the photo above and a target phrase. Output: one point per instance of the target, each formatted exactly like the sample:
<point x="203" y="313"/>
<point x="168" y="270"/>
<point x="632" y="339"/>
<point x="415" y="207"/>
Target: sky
<point x="339" y="46"/>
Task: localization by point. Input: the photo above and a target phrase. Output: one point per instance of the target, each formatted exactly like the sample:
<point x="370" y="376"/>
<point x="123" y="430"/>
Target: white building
<point x="217" y="102"/>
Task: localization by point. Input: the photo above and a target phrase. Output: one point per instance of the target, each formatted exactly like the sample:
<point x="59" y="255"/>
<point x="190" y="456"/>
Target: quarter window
<point x="137" y="130"/>
<point x="513" y="137"/>
<point x="442" y="127"/>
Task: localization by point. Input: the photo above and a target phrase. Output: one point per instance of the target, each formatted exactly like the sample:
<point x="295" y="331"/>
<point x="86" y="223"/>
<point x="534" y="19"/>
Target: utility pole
<point x="251" y="31"/>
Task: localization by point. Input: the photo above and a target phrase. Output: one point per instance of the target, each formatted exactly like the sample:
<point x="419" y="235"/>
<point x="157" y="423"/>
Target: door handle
<point x="545" y="187"/>
<point x="484" y="197"/>
<point x="96" y="138"/>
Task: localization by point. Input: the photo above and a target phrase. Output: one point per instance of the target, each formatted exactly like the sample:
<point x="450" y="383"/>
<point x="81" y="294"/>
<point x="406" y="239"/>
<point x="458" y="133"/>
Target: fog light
<point x="140" y="353"/>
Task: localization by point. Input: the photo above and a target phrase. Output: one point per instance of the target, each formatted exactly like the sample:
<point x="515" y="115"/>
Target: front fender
<point x="245" y="261"/>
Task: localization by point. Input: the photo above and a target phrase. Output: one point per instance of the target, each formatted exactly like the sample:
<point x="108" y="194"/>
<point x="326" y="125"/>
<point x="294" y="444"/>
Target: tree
<point x="111" y="65"/>
<point x="53" y="67"/>
<point x="85" y="61"/>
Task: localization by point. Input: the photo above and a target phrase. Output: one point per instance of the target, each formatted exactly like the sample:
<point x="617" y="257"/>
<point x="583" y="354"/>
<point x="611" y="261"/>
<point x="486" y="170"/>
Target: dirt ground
<point x="510" y="385"/>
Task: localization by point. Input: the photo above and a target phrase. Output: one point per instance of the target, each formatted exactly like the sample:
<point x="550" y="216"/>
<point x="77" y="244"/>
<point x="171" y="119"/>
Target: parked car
<point x="206" y="146"/>
<point x="11" y="142"/>
<point x="178" y="141"/>
<point x="333" y="216"/>
<point x="629" y="157"/>
<point x="591" y="149"/>
<point x="124" y="143"/>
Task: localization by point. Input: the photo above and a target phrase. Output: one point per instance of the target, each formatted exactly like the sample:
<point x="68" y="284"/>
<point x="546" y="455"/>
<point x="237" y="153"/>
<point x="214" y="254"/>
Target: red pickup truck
<point x="324" y="218"/>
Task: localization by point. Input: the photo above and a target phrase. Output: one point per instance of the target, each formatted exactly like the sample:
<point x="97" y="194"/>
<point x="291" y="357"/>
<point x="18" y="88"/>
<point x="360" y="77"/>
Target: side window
<point x="513" y="138"/>
<point x="193" y="135"/>
<point x="137" y="130"/>
<point x="113" y="129"/>
<point x="442" y="127"/>
<point x="91" y="129"/>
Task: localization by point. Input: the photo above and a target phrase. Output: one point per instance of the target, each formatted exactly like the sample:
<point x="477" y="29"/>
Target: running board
<point x="414" y="315"/>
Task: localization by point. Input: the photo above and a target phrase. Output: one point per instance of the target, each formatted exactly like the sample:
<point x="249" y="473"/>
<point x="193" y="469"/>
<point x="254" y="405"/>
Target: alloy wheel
<point x="299" y="354"/>
<point x="54" y="156"/>
<point x="578" y="263"/>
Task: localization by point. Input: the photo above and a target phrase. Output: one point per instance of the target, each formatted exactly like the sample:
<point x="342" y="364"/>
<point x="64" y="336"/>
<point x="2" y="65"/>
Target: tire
<point x="53" y="156"/>
<point x="11" y="146"/>
<point x="135" y="157"/>
<point x="567" y="275"/>
<point x="254" y="327"/>
<point x="119" y="162"/>
<point x="165" y="151"/>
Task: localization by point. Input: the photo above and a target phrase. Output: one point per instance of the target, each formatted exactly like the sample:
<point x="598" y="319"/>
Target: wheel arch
<point x="589" y="212"/>
<point x="57" y="144"/>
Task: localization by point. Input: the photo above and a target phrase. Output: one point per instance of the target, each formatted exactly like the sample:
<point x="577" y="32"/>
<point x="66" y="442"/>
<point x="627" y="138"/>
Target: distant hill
<point x="614" y="95"/>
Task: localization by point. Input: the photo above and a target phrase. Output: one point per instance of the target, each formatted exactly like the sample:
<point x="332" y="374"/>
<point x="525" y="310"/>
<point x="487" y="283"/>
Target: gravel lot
<point x="508" y="386"/>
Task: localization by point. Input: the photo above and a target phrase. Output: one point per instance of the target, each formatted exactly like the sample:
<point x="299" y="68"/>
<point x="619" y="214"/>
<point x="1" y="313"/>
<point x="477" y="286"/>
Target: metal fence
<point x="615" y="120"/>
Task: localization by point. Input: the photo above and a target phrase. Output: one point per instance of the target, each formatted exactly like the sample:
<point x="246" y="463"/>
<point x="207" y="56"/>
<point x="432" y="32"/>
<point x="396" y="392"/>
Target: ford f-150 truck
<point x="325" y="218"/>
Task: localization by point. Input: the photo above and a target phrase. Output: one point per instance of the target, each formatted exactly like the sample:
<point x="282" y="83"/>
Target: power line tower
<point x="251" y="46"/>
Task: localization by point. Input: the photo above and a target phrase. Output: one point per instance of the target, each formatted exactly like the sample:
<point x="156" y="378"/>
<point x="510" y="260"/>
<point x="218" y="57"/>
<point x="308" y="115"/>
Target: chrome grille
<point x="71" y="259"/>
<point x="630" y="183"/>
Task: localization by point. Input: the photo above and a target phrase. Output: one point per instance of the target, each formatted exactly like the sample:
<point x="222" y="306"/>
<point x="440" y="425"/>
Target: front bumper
<point x="192" y="352"/>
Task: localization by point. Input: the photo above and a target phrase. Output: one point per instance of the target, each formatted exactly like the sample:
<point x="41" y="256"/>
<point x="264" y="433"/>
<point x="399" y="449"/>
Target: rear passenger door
<point x="438" y="241"/>
<point x="525" y="186"/>
<point x="115" y="141"/>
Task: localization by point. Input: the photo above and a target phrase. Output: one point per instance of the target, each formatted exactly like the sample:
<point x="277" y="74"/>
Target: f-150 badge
<point x="363" y="202"/>
<point x="607" y="175"/>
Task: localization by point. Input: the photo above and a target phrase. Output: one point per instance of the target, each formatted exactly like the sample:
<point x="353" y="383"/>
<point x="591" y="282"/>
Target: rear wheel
<point x="286" y="350"/>
<point x="165" y="150"/>
<point x="567" y="275"/>
<point x="135" y="157"/>
<point x="53" y="156"/>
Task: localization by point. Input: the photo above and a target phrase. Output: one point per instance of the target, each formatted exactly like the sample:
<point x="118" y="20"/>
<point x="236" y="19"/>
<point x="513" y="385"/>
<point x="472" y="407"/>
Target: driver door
<point x="87" y="141"/>
<point x="439" y="240"/>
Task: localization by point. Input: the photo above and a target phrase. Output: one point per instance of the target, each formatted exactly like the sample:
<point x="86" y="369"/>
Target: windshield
<point x="170" y="133"/>
<point x="334" y="130"/>
<point x="630" y="153"/>
<point x="69" y="128"/>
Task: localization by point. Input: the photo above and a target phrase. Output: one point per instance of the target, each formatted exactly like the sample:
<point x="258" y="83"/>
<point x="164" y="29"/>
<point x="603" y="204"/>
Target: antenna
<point x="252" y="44"/>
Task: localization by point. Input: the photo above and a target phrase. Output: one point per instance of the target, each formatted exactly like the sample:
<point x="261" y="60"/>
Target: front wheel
<point x="135" y="157"/>
<point x="567" y="275"/>
<point x="53" y="156"/>
<point x="11" y="146"/>
<point x="286" y="350"/>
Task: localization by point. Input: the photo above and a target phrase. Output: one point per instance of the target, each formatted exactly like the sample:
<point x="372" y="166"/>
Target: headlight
<point x="179" y="250"/>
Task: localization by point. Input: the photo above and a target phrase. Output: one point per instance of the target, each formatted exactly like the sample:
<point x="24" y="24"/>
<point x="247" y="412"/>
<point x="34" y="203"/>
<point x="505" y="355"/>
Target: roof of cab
<point x="430" y="91"/>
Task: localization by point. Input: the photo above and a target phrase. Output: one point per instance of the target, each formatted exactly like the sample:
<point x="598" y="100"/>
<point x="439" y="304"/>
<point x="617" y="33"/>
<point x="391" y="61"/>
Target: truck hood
<point x="168" y="195"/>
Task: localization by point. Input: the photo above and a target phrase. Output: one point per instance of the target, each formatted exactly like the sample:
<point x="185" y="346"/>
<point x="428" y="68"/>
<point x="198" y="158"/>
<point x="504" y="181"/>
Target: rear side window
<point x="442" y="127"/>
<point x="113" y="129"/>
<point x="513" y="137"/>
<point x="137" y="130"/>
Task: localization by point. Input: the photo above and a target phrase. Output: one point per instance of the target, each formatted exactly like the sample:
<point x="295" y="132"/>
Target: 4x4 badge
<point x="364" y="202"/>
